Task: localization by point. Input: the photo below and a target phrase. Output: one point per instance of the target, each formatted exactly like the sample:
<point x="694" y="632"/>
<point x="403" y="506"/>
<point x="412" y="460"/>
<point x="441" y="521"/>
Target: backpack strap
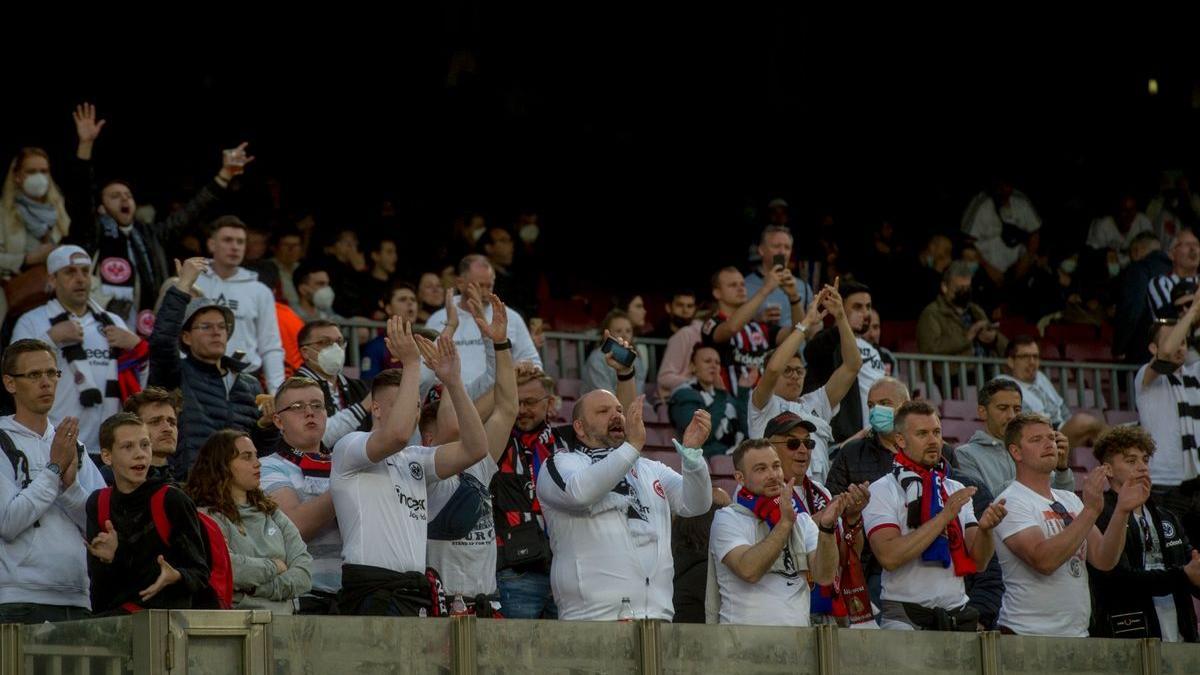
<point x="17" y="458"/>
<point x="103" y="504"/>
<point x="158" y="511"/>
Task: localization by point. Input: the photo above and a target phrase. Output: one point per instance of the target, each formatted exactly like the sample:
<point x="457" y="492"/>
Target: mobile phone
<point x="623" y="356"/>
<point x="780" y="260"/>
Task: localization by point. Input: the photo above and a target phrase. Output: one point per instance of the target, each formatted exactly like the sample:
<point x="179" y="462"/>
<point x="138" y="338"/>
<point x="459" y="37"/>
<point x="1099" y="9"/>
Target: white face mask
<point x="529" y="234"/>
<point x="36" y="185"/>
<point x="331" y="359"/>
<point x="323" y="298"/>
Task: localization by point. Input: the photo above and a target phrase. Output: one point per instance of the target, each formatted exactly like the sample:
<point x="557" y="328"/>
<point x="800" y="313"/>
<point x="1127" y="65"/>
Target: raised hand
<point x="400" y="343"/>
<point x="828" y="516"/>
<point x="696" y="434"/>
<point x="234" y="161"/>
<point x="497" y="331"/>
<point x="787" y="507"/>
<point x="956" y="501"/>
<point x="814" y="318"/>
<point x="635" y="424"/>
<point x="1132" y="495"/>
<point x="1093" y="488"/>
<point x="993" y="515"/>
<point x="832" y="300"/>
<point x="859" y="496"/>
<point x="63" y="450"/>
<point x="104" y="545"/>
<point x="1063" y="444"/>
<point x="188" y="272"/>
<point x="451" y="307"/>
<point x="442" y="358"/>
<point x="167" y="575"/>
<point x="87" y="128"/>
<point x="612" y="362"/>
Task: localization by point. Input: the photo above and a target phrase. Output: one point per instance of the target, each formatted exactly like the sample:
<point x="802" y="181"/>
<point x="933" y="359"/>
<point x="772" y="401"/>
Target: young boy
<point x="130" y="566"/>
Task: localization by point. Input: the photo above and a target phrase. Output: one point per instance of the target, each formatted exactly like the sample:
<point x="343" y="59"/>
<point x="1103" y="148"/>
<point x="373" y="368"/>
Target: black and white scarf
<point x="77" y="359"/>
<point x="1185" y="391"/>
<point x="623" y="498"/>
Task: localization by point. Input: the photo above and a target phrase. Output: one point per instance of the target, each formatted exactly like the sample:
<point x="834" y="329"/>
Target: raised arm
<point x="790" y="347"/>
<point x="498" y="427"/>
<point x="452" y="458"/>
<point x="730" y="327"/>
<point x="401" y="420"/>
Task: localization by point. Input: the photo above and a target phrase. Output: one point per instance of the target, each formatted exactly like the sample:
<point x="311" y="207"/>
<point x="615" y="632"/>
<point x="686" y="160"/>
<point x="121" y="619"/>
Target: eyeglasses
<point x="1062" y="513"/>
<point x="314" y="407"/>
<point x="793" y="371"/>
<point x="207" y="326"/>
<point x="795" y="443"/>
<point x="322" y="344"/>
<point x="35" y="375"/>
<point x="530" y="402"/>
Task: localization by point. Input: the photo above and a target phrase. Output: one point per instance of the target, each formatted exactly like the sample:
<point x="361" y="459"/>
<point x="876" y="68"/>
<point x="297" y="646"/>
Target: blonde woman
<point x="33" y="215"/>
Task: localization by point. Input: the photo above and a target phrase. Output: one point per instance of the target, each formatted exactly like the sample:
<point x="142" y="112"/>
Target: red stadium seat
<point x="668" y="457"/>
<point x="660" y="437"/>
<point x="1088" y="351"/>
<point x="1084" y="460"/>
<point x="729" y="485"/>
<point x="959" y="410"/>
<point x="957" y="432"/>
<point x="720" y="465"/>
<point x="568" y="388"/>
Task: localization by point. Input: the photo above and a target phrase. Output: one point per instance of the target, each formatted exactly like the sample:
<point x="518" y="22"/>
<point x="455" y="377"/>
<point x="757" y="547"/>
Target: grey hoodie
<point x="257" y="583"/>
<point x="46" y="563"/>
<point x="985" y="459"/>
<point x="256" y="328"/>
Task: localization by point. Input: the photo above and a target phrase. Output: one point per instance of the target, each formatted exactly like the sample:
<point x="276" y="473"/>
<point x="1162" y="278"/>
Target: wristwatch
<point x="54" y="468"/>
<point x="803" y="329"/>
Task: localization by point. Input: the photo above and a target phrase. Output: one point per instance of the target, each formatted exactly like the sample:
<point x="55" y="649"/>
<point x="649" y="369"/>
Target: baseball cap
<point x="785" y="422"/>
<point x="66" y="256"/>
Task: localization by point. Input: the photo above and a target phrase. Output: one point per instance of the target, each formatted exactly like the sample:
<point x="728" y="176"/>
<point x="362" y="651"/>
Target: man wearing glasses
<point x="296" y="476"/>
<point x="90" y="342"/>
<point x="1038" y="394"/>
<point x="346" y="401"/>
<point x="217" y="394"/>
<point x="1050" y="536"/>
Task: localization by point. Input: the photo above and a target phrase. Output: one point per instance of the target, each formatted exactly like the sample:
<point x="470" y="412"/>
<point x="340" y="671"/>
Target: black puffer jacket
<point x="207" y="405"/>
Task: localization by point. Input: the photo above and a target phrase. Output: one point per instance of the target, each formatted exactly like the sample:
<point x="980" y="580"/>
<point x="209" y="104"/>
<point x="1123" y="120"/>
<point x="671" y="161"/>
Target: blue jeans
<point x="525" y="595"/>
<point x="30" y="613"/>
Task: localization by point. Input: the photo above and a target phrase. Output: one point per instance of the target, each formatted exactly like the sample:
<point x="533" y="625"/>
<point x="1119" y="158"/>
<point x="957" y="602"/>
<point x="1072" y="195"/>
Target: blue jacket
<point x="207" y="405"/>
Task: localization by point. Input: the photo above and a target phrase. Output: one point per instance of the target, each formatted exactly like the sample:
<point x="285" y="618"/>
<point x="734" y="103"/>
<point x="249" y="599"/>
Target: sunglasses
<point x="795" y="443"/>
<point x="1062" y="512"/>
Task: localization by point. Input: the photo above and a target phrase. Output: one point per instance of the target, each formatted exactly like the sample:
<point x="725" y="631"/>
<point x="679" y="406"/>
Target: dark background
<point x="649" y="139"/>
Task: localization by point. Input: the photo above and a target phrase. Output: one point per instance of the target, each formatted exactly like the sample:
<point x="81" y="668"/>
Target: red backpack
<point x="220" y="577"/>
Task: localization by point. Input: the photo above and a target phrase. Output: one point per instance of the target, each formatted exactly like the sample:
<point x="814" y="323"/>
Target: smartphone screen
<point x="779" y="260"/>
<point x="623" y="356"/>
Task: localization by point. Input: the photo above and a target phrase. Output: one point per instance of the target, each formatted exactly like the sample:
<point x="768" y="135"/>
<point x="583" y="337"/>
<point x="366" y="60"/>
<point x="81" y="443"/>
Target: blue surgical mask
<point x="881" y="419"/>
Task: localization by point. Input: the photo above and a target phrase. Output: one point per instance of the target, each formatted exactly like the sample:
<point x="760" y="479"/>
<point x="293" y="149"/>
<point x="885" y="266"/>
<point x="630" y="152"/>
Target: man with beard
<point x="608" y="511"/>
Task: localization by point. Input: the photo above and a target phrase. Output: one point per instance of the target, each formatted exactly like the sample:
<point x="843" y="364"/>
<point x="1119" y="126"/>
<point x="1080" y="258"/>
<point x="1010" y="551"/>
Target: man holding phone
<point x="952" y="325"/>
<point x="783" y="303"/>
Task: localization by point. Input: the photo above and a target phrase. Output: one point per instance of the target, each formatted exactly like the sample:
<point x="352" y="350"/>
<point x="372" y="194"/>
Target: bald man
<point x="608" y="511"/>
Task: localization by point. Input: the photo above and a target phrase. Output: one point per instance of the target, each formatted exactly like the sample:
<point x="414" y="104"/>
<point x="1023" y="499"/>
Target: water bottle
<point x="626" y="613"/>
<point x="458" y="607"/>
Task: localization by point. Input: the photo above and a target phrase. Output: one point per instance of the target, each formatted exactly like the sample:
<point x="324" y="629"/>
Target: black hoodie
<point x="135" y="566"/>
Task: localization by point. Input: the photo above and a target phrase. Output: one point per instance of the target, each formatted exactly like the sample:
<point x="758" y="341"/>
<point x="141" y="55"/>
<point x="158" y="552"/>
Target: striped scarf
<point x="925" y="495"/>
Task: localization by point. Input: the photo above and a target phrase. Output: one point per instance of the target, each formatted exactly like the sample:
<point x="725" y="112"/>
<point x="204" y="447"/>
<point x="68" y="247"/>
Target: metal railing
<point x="1081" y="384"/>
<point x="195" y="642"/>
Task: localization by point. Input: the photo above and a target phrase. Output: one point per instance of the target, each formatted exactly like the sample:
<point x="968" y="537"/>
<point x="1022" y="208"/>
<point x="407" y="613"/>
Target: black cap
<point x="785" y="422"/>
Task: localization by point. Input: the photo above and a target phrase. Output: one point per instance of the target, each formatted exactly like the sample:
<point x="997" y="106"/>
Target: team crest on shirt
<point x="658" y="490"/>
<point x="1168" y="530"/>
<point x="1076" y="568"/>
<point x="115" y="270"/>
<point x="145" y="323"/>
<point x="416" y="471"/>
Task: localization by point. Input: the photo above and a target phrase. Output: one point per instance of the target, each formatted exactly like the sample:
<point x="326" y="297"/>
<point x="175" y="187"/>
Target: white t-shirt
<point x="467" y="565"/>
<point x="326" y="547"/>
<point x="984" y="224"/>
<point x="779" y="598"/>
<point x="470" y="345"/>
<point x="1055" y="605"/>
<point x="870" y="373"/>
<point x="1104" y="234"/>
<point x="1158" y="412"/>
<point x="382" y="508"/>
<point x="926" y="584"/>
<point x="814" y="404"/>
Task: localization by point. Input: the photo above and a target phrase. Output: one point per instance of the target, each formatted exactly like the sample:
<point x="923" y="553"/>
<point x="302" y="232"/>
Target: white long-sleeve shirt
<point x="256" y="328"/>
<point x="982" y="222"/>
<point x="597" y="559"/>
<point x="470" y="345"/>
<point x="47" y="563"/>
